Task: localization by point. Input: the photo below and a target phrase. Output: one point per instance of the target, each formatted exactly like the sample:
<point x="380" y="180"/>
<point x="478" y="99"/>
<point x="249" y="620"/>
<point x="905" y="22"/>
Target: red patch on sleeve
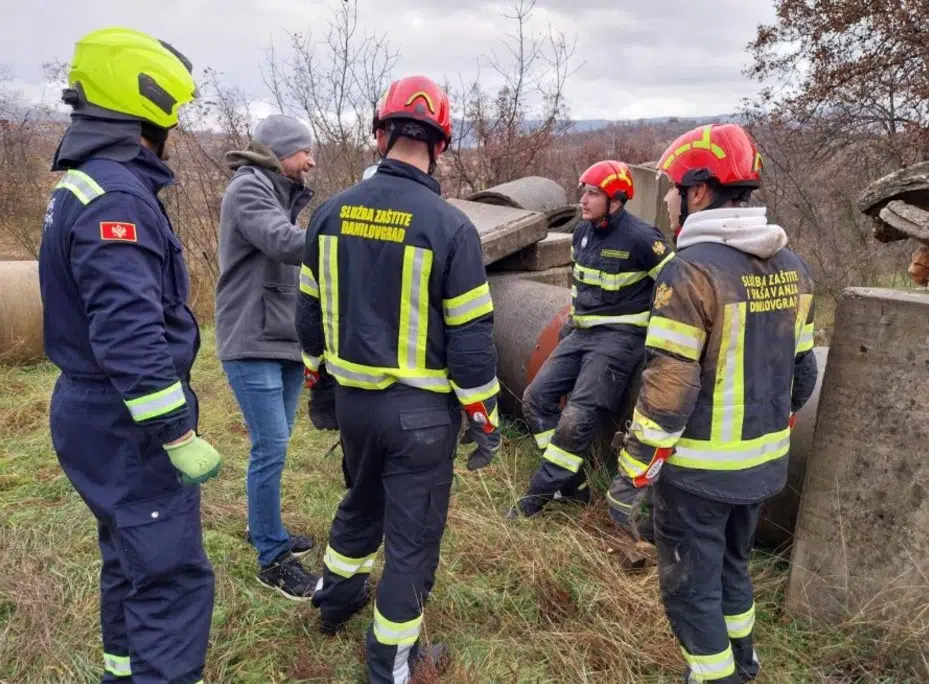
<point x="117" y="230"/>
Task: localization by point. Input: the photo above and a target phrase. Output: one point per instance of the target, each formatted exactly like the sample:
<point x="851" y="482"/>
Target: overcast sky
<point x="636" y="58"/>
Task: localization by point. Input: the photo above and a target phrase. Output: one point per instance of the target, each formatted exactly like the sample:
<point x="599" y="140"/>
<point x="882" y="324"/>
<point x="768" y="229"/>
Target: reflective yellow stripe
<point x="117" y="665"/>
<point x="607" y="281"/>
<point x="677" y="338"/>
<point x="346" y="566"/>
<point x="710" y="455"/>
<point x="468" y="306"/>
<point x="311" y="362"/>
<point x="81" y="186"/>
<point x="804" y="328"/>
<point x="414" y="308"/>
<point x="729" y="393"/>
<point x="472" y="395"/>
<point x="655" y="271"/>
<point x="633" y="466"/>
<point x="495" y="418"/>
<point x="639" y="319"/>
<point x="329" y="289"/>
<point x="157" y="403"/>
<point x="308" y="283"/>
<point x="392" y="633"/>
<point x="563" y="458"/>
<point x="372" y="377"/>
<point x="651" y="433"/>
<point x="740" y="626"/>
<point x="617" y="503"/>
<point x="543" y="439"/>
<point x="706" y="668"/>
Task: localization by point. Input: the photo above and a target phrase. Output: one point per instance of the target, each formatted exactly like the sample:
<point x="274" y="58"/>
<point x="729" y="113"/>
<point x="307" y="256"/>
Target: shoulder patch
<point x="118" y="230"/>
<point x="663" y="295"/>
<point x="659" y="248"/>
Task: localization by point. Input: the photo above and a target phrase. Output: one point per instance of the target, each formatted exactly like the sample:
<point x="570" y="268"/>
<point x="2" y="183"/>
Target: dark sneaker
<point x="527" y="506"/>
<point x="331" y="627"/>
<point x="437" y="657"/>
<point x="299" y="544"/>
<point x="289" y="578"/>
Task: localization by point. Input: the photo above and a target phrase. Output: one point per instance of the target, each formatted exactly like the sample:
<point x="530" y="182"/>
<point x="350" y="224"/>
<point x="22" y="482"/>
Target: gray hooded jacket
<point x="260" y="251"/>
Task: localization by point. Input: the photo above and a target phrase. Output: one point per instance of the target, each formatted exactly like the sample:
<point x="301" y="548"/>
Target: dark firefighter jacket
<point x="729" y="358"/>
<point x="615" y="267"/>
<point x="114" y="289"/>
<point x="393" y="289"/>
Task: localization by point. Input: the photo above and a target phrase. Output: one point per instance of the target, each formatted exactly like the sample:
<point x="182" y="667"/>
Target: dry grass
<point x="537" y="601"/>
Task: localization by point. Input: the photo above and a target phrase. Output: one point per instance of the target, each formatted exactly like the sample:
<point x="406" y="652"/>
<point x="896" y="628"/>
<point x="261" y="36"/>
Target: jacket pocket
<point x="176" y="283"/>
<point x="279" y="302"/>
<point x="160" y="536"/>
<point x="611" y="270"/>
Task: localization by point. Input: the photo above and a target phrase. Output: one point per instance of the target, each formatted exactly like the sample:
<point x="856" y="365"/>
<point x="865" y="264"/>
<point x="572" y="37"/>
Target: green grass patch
<point x="535" y="601"/>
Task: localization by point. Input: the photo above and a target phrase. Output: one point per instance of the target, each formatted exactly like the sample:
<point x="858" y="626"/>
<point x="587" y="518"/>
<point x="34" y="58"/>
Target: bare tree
<point x="503" y="134"/>
<point x="336" y="93"/>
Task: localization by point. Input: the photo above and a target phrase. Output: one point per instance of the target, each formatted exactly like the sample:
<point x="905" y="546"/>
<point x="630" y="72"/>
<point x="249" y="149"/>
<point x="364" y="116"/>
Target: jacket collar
<point x="151" y="170"/>
<point x="399" y="169"/>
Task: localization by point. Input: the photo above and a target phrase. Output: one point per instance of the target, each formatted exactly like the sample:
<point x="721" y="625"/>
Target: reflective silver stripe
<point x="117" y="665"/>
<point x="401" y="671"/>
<point x="655" y="436"/>
<point x="460" y="311"/>
<point x="607" y="281"/>
<point x="732" y="358"/>
<point x="415" y="325"/>
<point x="590" y="321"/>
<point x="563" y="458"/>
<point x="345" y="566"/>
<point x="740" y="626"/>
<point x="338" y="371"/>
<point x="396" y="633"/>
<point x="329" y="303"/>
<point x="81" y="186"/>
<point x="724" y="455"/>
<point x="678" y="338"/>
<point x="806" y="338"/>
<point x="472" y="395"/>
<point x="721" y="664"/>
<point x="373" y="379"/>
<point x="657" y="269"/>
<point x="543" y="439"/>
<point x="308" y="283"/>
<point x="311" y="362"/>
<point x="157" y="403"/>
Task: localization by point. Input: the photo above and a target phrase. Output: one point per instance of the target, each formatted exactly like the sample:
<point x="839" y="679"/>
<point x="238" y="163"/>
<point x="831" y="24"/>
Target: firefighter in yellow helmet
<point x="123" y="416"/>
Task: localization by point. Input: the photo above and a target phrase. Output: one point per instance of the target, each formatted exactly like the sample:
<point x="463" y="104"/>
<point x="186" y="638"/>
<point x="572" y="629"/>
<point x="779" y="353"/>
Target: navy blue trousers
<point x="156" y="583"/>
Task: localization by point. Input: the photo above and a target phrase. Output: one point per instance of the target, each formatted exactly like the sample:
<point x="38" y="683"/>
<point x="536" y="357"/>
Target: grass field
<point x="536" y="601"/>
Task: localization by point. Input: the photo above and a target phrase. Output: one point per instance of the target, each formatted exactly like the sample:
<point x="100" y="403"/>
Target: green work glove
<point x="197" y="460"/>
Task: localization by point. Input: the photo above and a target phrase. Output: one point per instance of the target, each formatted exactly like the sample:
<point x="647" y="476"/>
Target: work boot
<point x="289" y="578"/>
<point x="528" y="506"/>
<point x="436" y="656"/>
<point x="300" y="545"/>
<point x="331" y="627"/>
<point x="579" y="495"/>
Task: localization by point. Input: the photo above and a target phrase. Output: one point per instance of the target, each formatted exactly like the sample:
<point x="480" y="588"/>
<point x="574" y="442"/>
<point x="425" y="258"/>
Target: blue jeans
<point x="267" y="392"/>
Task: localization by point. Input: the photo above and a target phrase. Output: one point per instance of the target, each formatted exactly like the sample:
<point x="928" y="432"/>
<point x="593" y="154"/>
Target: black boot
<point x="331" y="626"/>
<point x="528" y="506"/>
<point x="579" y="495"/>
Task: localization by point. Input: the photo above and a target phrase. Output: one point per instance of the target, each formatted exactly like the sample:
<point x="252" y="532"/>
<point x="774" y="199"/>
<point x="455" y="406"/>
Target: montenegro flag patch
<point x="118" y="230"/>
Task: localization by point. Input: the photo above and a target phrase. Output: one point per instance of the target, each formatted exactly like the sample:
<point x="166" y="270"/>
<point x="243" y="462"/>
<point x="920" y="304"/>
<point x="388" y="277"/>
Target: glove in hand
<point x="321" y="403"/>
<point x="196" y="459"/>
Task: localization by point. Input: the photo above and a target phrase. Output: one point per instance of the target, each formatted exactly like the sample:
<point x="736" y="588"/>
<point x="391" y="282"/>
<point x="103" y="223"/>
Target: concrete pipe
<point x="528" y="316"/>
<point x="20" y="313"/>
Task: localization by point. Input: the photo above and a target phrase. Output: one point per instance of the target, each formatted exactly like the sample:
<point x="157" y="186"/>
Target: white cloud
<point x="640" y="58"/>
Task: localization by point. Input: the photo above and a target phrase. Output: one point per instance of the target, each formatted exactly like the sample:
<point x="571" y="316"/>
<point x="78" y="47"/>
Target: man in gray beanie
<point x="260" y="251"/>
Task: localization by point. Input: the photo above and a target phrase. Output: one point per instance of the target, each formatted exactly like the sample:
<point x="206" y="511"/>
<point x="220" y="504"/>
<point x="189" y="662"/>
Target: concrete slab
<point x="862" y="541"/>
<point x="551" y="251"/>
<point x="648" y="203"/>
<point x="560" y="276"/>
<point x="503" y="230"/>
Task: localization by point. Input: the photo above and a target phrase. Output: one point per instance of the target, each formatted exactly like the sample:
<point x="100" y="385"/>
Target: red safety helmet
<point x="612" y="177"/>
<point x="420" y="99"/>
<point x="725" y="153"/>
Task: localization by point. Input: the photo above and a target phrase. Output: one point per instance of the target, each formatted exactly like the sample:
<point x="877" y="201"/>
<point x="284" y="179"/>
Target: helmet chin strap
<point x="395" y="134"/>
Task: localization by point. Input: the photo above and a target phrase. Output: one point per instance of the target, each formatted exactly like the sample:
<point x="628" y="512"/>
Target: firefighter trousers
<point x="156" y="582"/>
<point x="703" y="553"/>
<point x="399" y="449"/>
<point x="594" y="366"/>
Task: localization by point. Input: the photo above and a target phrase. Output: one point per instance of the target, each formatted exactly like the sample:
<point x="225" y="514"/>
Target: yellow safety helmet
<point x="129" y="72"/>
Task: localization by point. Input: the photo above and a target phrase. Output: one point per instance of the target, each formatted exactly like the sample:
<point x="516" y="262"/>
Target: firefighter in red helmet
<point x="396" y="311"/>
<point x="616" y="258"/>
<point x="729" y="362"/>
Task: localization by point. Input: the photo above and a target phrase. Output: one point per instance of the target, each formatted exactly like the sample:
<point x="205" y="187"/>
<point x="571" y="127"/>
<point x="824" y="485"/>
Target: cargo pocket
<point x="279" y="302"/>
<point x="160" y="536"/>
<point x="428" y="427"/>
<point x="176" y="284"/>
<point x="430" y="440"/>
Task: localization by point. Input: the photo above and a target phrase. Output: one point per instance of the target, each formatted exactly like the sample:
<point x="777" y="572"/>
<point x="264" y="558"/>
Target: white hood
<point x="745" y="228"/>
